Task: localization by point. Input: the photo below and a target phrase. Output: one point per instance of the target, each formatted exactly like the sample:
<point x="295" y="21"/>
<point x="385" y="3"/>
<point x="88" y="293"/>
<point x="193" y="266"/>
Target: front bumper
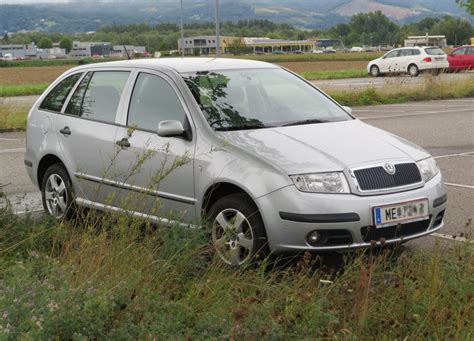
<point x="341" y="212"/>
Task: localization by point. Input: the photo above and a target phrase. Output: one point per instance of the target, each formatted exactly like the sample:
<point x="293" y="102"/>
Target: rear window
<point x="55" y="99"/>
<point x="434" y="51"/>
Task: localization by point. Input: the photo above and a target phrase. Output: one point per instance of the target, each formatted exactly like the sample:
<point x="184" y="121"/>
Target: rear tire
<point x="413" y="70"/>
<point x="238" y="232"/>
<point x="374" y="71"/>
<point x="57" y="193"/>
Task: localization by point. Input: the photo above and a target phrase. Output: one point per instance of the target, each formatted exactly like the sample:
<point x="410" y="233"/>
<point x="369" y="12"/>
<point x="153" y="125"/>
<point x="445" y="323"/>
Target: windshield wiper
<point x="243" y="127"/>
<point x="309" y="121"/>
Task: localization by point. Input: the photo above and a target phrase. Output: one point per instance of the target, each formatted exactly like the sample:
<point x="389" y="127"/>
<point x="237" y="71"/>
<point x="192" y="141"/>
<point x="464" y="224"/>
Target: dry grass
<point x="30" y="75"/>
<point x="13" y="117"/>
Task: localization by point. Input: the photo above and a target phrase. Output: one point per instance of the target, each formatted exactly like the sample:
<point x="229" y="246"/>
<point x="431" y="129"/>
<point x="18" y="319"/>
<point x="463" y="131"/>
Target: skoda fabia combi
<point x="263" y="157"/>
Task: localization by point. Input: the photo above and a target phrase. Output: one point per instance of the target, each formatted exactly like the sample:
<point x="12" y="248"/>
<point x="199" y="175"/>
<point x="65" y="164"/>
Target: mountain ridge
<point x="90" y="16"/>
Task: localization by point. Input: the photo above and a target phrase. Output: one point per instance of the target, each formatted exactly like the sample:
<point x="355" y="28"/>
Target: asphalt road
<point x="444" y="128"/>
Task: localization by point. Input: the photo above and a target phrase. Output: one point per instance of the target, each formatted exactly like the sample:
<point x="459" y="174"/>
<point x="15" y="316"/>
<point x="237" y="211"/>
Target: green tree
<point x="5" y="37"/>
<point x="45" y="43"/>
<point x="373" y="27"/>
<point x="66" y="43"/>
<point x="467" y="4"/>
<point x="457" y="31"/>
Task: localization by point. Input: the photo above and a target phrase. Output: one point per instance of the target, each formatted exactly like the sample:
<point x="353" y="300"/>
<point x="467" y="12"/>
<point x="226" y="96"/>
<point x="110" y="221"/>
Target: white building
<point x="426" y="40"/>
<point x="119" y="51"/>
<point x="18" y="51"/>
<point x="54" y="53"/>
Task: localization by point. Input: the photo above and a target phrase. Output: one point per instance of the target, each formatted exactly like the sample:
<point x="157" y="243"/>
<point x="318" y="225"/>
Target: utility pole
<point x="218" y="38"/>
<point x="182" y="30"/>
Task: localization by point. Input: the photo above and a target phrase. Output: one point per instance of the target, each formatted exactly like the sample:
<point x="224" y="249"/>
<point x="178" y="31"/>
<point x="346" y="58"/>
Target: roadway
<point x="444" y="128"/>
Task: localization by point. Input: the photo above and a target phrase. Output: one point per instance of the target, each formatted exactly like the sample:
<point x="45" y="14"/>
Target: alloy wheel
<point x="233" y="237"/>
<point x="56" y="196"/>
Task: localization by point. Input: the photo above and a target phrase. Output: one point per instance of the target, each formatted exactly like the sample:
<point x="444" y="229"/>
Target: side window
<point x="415" y="52"/>
<point x="459" y="52"/>
<point x="470" y="50"/>
<point x="392" y="54"/>
<point x="55" y="99"/>
<point x="98" y="96"/>
<point x="75" y="104"/>
<point x="153" y="100"/>
<point x="405" y="53"/>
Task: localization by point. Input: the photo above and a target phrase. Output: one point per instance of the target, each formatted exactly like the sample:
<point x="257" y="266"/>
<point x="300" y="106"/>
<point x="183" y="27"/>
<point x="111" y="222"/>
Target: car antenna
<point x="126" y="51"/>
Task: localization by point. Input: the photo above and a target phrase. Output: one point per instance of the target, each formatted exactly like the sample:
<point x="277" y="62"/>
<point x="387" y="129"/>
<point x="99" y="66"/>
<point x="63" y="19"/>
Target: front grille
<point x="370" y="233"/>
<point x="375" y="178"/>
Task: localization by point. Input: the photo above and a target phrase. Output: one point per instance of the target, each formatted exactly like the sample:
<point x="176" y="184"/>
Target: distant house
<point x="120" y="51"/>
<point x="18" y="51"/>
<point x="206" y="44"/>
<point x="426" y="40"/>
<point x="90" y="49"/>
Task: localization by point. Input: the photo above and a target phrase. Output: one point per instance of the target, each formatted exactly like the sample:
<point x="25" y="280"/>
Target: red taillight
<point x="427" y="60"/>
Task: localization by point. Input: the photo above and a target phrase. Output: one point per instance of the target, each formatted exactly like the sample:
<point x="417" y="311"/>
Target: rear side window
<point x="434" y="51"/>
<point x="98" y="96"/>
<point x="415" y="52"/>
<point x="54" y="101"/>
<point x="153" y="101"/>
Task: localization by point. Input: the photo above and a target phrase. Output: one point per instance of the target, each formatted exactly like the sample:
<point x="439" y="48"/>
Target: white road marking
<point x="458" y="185"/>
<point x="13" y="151"/>
<point x="419" y="113"/>
<point x="450" y="237"/>
<point x="454" y="155"/>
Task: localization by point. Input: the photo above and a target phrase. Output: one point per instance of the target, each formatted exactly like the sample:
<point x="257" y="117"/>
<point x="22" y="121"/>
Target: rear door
<point x="470" y="58"/>
<point x="404" y="59"/>
<point x="87" y="129"/>
<point x="155" y="174"/>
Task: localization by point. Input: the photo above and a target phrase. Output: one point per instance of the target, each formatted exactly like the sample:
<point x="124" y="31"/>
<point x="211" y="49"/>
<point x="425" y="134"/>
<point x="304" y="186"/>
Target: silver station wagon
<point x="261" y="156"/>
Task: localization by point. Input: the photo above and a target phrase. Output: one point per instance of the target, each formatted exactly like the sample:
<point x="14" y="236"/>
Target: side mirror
<point x="348" y="109"/>
<point x="170" y="128"/>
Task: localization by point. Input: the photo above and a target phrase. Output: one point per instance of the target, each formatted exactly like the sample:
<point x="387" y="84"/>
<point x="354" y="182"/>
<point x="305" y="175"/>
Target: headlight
<point x="428" y="169"/>
<point x="321" y="182"/>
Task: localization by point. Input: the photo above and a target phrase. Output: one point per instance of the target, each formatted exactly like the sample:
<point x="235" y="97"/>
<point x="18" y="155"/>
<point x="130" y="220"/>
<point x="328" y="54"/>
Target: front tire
<point x="413" y="70"/>
<point x="57" y="193"/>
<point x="238" y="232"/>
<point x="374" y="71"/>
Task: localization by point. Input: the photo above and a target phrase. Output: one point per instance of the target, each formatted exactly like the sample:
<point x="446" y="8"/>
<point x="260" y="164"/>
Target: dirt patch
<point x="30" y="75"/>
<point x="308" y="66"/>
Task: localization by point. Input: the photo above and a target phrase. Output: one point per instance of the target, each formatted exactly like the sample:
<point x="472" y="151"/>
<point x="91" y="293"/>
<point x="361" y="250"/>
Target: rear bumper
<point x="290" y="215"/>
<point x="433" y="65"/>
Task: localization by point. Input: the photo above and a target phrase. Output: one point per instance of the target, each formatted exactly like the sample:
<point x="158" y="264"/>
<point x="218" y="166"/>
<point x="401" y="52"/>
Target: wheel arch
<point x="219" y="190"/>
<point x="45" y="162"/>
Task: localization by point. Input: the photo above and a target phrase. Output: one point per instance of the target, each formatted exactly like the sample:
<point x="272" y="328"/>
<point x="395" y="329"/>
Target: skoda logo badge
<point x="389" y="168"/>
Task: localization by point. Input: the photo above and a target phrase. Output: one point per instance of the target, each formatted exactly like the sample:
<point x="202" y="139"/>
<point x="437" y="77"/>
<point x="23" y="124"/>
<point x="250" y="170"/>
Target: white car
<point x="411" y="60"/>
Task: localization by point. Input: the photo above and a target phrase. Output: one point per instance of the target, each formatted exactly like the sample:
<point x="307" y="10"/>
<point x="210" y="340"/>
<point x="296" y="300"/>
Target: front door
<point x="155" y="173"/>
<point x="87" y="129"/>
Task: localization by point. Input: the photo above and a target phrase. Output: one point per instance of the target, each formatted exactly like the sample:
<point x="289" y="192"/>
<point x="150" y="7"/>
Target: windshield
<point x="260" y="98"/>
<point x="434" y="51"/>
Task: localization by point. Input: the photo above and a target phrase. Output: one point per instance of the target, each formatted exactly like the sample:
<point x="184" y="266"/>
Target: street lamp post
<point x="218" y="39"/>
<point x="182" y="29"/>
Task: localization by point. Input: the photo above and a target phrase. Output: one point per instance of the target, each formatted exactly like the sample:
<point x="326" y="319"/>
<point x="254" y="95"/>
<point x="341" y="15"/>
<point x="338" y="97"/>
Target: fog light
<point x="313" y="237"/>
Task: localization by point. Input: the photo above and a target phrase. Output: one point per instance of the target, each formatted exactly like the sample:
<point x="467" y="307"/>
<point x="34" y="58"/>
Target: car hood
<point x="333" y="146"/>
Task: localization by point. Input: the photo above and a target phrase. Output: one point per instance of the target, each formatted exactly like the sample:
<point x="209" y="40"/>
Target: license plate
<point x="393" y="214"/>
<point x="439" y="58"/>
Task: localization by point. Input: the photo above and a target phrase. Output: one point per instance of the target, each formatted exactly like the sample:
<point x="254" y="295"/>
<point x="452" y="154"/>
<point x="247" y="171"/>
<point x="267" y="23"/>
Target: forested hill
<point x="83" y="16"/>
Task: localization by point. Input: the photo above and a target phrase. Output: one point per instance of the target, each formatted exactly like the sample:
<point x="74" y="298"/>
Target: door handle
<point x="123" y="143"/>
<point x="65" y="131"/>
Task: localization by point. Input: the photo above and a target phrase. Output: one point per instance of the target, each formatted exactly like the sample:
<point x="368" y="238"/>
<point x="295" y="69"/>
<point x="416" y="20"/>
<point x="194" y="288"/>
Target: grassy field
<point x="30" y="75"/>
<point x="109" y="276"/>
<point x="13" y="117"/>
<point x="311" y="57"/>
